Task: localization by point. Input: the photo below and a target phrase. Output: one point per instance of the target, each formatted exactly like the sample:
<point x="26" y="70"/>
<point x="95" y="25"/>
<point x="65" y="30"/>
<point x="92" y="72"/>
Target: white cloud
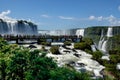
<point x="67" y="18"/>
<point x="92" y="18"/>
<point x="45" y="16"/>
<point x="119" y="7"/>
<point x="5" y="17"/>
<point x="100" y="18"/>
<point x="111" y="19"/>
<point x="4" y="14"/>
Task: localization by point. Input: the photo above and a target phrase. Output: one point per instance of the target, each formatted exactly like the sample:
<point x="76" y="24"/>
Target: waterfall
<point x="102" y="45"/>
<point x="109" y="32"/>
<point x="80" y="32"/>
<point x="11" y="27"/>
<point x="17" y="27"/>
<point x="93" y="47"/>
<point x="101" y="41"/>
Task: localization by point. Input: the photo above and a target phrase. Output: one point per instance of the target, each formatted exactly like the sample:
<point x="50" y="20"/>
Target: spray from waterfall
<point x="59" y="32"/>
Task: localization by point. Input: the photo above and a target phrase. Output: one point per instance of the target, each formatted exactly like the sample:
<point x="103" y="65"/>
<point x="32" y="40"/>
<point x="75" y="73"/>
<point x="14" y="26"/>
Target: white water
<point x="66" y="58"/>
<point x="80" y="32"/>
<point x="93" y="48"/>
<point x="11" y="27"/>
<point x="102" y="45"/>
<point x="101" y="41"/>
<point x="109" y="32"/>
<point x="56" y="32"/>
<point x="17" y="27"/>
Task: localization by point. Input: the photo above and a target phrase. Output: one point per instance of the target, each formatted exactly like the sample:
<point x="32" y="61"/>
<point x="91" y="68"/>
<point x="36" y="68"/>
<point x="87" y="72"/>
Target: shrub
<point x="97" y="55"/>
<point x="82" y="46"/>
<point x="55" y="50"/>
<point x="114" y="58"/>
<point x="115" y="51"/>
<point x="68" y="43"/>
<point x="39" y="41"/>
<point x="88" y="51"/>
<point x="88" y="41"/>
<point x="45" y="43"/>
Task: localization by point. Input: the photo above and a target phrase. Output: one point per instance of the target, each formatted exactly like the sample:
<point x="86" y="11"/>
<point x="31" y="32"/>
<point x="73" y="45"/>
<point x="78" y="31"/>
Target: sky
<point x="63" y="14"/>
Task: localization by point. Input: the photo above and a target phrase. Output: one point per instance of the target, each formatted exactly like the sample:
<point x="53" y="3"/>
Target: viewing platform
<point x="38" y="38"/>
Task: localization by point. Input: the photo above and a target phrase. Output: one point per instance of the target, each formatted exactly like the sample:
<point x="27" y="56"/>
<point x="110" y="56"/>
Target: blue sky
<point x="63" y="14"/>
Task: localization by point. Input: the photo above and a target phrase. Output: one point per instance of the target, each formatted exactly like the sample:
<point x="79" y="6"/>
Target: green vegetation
<point x="22" y="64"/>
<point x="39" y="66"/>
<point x="115" y="58"/>
<point x="67" y="74"/>
<point x="113" y="49"/>
<point x="81" y="45"/>
<point x="85" y="44"/>
<point x="95" y="32"/>
<point x="88" y="41"/>
<point x="114" y="52"/>
<point x="67" y="43"/>
<point x="19" y="63"/>
<point x="114" y="43"/>
<point x="43" y="42"/>
<point x="97" y="55"/>
<point x="55" y="50"/>
<point x="114" y="46"/>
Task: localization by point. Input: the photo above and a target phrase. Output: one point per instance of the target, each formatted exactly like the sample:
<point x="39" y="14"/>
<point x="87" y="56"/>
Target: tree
<point x="18" y="65"/>
<point x="2" y="43"/>
<point x="39" y="67"/>
<point x="67" y="74"/>
<point x="3" y="67"/>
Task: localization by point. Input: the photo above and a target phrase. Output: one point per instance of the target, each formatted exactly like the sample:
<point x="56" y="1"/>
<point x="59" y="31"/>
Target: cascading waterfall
<point x="109" y="32"/>
<point x="80" y="32"/>
<point x="17" y="27"/>
<point x="11" y="26"/>
<point x="93" y="47"/>
<point x="101" y="41"/>
<point x="102" y="45"/>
